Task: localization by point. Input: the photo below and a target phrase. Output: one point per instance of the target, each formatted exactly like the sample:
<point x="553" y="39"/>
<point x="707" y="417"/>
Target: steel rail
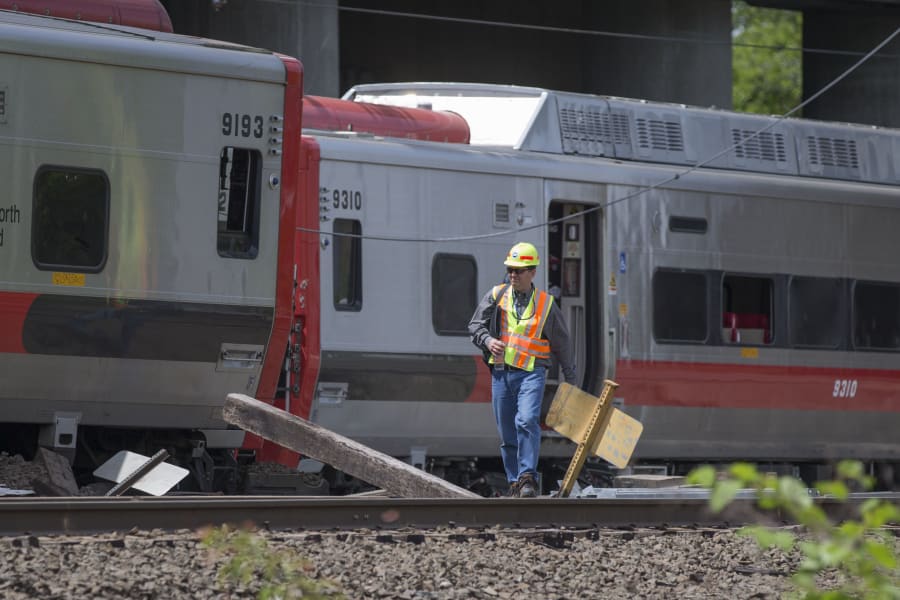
<point x="100" y="514"/>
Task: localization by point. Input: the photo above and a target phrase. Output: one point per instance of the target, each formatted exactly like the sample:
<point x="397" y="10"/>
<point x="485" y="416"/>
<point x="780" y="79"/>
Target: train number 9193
<point x="240" y="125"/>
<point x="844" y="388"/>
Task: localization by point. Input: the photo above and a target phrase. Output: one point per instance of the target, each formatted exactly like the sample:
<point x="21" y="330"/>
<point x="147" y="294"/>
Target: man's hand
<point x="496" y="348"/>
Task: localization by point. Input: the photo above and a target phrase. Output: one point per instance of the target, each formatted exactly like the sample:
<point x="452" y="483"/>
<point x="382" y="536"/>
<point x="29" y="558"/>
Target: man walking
<point x="531" y="327"/>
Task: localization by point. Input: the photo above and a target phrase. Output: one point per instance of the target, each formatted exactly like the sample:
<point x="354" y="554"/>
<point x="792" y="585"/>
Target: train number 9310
<point x="844" y="388"/>
<point x="346" y="199"/>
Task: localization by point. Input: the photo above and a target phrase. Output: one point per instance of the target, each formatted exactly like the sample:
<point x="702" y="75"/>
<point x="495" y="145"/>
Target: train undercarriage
<point x="232" y="471"/>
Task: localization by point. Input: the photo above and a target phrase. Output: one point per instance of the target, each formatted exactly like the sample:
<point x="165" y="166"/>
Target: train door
<point x="573" y="268"/>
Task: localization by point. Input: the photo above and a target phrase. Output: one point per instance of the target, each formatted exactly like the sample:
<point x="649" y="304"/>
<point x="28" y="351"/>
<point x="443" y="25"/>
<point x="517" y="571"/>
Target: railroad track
<point x="90" y="515"/>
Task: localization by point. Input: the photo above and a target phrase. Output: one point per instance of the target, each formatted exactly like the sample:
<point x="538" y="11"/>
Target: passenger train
<point x="179" y="223"/>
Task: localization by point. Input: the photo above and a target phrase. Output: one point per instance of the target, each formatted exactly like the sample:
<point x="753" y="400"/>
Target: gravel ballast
<point x="448" y="563"/>
<point x="443" y="564"/>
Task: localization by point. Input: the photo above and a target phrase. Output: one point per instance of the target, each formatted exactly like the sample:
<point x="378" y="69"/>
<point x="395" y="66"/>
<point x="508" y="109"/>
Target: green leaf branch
<point x="862" y="551"/>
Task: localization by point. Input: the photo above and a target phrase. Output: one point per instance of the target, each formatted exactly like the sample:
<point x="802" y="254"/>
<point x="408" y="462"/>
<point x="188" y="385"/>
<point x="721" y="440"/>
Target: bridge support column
<point x="308" y="31"/>
<point x="869" y="95"/>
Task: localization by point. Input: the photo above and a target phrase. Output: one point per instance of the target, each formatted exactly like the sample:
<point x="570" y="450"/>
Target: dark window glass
<point x="747" y="304"/>
<point x="679" y="306"/>
<point x="239" y="199"/>
<point x="814" y="312"/>
<point x="347" y="264"/>
<point x="687" y="224"/>
<point x="454" y="295"/>
<point x="876" y="316"/>
<point x="71" y="219"/>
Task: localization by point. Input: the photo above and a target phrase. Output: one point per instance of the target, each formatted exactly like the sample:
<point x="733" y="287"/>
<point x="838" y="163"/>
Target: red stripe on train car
<point x="713" y="385"/>
<point x="13" y="309"/>
<point x="481" y="391"/>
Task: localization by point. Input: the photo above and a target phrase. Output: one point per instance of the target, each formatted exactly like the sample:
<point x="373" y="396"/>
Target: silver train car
<point x="169" y="236"/>
<point x="146" y="185"/>
<point x="749" y="308"/>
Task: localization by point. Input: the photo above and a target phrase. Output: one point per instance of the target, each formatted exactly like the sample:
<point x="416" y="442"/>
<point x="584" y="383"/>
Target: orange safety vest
<point x="523" y="336"/>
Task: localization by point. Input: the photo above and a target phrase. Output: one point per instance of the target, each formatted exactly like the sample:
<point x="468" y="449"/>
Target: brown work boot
<point x="527" y="486"/>
<point x="513" y="491"/>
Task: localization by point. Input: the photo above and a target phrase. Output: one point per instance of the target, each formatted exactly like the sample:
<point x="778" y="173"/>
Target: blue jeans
<point x="516" y="397"/>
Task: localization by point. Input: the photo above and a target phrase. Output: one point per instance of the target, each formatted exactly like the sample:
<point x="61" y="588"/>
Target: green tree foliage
<point x="766" y="60"/>
<point x="862" y="550"/>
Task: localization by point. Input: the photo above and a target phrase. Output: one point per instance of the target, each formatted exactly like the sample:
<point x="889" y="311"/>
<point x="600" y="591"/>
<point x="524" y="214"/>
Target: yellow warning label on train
<point x="70" y="279"/>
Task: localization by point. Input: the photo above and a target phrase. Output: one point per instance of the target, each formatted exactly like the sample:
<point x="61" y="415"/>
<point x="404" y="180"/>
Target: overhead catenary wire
<point x="774" y="121"/>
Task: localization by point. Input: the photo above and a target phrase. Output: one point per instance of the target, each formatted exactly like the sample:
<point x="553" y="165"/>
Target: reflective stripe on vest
<point x="523" y="336"/>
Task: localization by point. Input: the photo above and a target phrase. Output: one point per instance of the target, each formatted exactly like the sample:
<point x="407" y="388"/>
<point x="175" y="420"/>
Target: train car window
<point x="747" y="309"/>
<point x="680" y="306"/>
<point x="876" y="316"/>
<point x="454" y="293"/>
<point x="70" y="228"/>
<point x="347" y="264"/>
<point x="687" y="224"/>
<point x="813" y="303"/>
<point x="239" y="200"/>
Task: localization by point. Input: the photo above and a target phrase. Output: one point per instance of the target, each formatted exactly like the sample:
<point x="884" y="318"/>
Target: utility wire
<point x="644" y="190"/>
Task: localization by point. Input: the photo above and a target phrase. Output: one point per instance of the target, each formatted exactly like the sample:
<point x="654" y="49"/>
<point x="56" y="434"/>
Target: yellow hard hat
<point x="522" y="254"/>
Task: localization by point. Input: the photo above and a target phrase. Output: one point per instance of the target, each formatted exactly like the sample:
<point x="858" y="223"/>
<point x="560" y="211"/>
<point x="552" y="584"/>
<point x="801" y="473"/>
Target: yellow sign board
<point x="572" y="413"/>
<point x="71" y="279"/>
<point x="619" y="440"/>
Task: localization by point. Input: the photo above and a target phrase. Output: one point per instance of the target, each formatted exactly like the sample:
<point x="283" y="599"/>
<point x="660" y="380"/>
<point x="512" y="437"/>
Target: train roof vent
<point x="839" y="151"/>
<point x="764" y="146"/>
<point x="831" y="152"/>
<point x="758" y="144"/>
<point x="592" y="129"/>
<point x="657" y="134"/>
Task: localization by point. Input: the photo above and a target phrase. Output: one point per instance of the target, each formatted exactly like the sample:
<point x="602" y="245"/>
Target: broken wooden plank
<point x="396" y="477"/>
<point x="59" y="473"/>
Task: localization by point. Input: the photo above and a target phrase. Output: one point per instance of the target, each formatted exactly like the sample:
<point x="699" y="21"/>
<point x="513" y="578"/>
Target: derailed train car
<point x="148" y="197"/>
<point x="169" y="236"/>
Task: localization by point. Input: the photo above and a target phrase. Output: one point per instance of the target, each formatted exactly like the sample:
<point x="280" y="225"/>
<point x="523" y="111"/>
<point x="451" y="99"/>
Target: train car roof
<point x="541" y="120"/>
<point x="65" y="39"/>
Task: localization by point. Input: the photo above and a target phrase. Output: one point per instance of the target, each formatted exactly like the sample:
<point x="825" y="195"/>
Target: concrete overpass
<point x="668" y="50"/>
